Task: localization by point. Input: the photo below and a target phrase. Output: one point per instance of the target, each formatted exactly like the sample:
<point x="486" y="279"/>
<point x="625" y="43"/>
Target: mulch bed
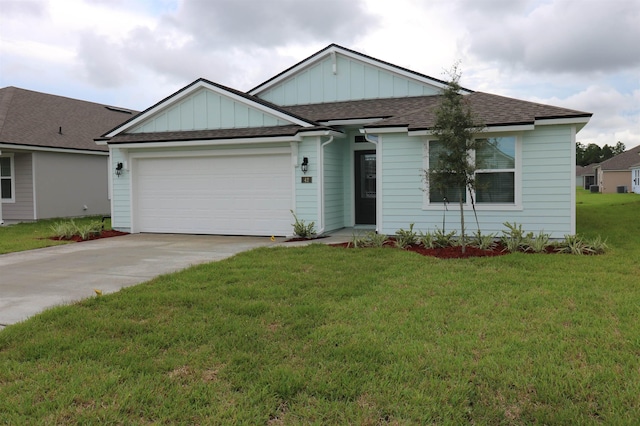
<point x="103" y="234"/>
<point x="444" y="252"/>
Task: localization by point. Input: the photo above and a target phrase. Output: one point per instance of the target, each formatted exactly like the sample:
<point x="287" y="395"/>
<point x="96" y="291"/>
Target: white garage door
<point x="226" y="195"/>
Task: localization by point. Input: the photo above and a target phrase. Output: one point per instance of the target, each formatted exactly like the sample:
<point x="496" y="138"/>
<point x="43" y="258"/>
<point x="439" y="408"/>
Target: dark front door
<point x="365" y="200"/>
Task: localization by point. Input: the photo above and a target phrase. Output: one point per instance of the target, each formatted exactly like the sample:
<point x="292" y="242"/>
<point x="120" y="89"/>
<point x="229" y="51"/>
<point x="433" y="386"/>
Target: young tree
<point x="453" y="173"/>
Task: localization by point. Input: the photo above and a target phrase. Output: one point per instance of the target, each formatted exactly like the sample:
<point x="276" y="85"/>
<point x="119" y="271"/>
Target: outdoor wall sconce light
<point x="119" y="168"/>
<point x="305" y="165"/>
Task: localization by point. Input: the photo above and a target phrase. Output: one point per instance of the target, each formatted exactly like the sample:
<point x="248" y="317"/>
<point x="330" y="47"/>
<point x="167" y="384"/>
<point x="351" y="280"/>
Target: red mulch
<point x="103" y="234"/>
<point x="446" y="252"/>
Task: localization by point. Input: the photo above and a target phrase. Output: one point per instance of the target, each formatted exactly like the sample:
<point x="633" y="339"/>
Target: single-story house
<point x="614" y="175"/>
<point x="585" y="176"/>
<point x="635" y="178"/>
<point x="343" y="140"/>
<point x="49" y="165"/>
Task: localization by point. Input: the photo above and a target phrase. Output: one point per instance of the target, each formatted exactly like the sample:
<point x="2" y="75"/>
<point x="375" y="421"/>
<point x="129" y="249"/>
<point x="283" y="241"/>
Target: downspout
<point x="321" y="184"/>
<point x="378" y="184"/>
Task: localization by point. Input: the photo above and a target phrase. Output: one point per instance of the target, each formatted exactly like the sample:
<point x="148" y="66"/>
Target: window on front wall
<point x="6" y="178"/>
<point x="495" y="173"/>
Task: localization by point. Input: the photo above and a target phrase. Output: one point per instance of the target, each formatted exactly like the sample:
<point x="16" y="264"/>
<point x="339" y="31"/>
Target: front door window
<point x="365" y="177"/>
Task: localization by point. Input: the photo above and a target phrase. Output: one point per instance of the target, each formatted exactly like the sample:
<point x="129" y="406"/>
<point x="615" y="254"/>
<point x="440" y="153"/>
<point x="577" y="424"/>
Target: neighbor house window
<point x="6" y="178"/>
<point x="495" y="173"/>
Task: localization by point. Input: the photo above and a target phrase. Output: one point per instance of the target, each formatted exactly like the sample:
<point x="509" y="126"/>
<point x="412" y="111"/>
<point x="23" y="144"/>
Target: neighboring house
<point x="49" y="164"/>
<point x="586" y="176"/>
<point x="342" y="139"/>
<point x="635" y="178"/>
<point x="614" y="174"/>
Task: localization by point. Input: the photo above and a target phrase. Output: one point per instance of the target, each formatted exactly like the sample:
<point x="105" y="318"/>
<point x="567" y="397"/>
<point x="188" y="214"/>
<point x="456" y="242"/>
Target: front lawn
<point x="325" y="335"/>
<point x="33" y="235"/>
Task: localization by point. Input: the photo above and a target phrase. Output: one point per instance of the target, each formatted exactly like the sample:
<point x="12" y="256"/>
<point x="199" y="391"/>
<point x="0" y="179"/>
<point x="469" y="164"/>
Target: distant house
<point x="585" y="176"/>
<point x="342" y="139"/>
<point x="635" y="178"/>
<point x="49" y="164"/>
<point x="614" y="174"/>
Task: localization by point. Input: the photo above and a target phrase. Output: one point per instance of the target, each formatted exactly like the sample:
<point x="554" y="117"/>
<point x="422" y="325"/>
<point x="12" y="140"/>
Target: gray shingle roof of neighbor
<point x="418" y="113"/>
<point x="34" y="119"/>
<point x="586" y="170"/>
<point x="622" y="161"/>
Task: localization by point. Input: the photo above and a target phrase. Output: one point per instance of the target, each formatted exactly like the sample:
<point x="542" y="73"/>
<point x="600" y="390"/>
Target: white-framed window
<point x="497" y="170"/>
<point x="7" y="179"/>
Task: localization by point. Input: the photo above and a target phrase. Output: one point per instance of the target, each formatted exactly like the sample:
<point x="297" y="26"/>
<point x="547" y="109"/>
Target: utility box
<point x="622" y="189"/>
<point x="594" y="188"/>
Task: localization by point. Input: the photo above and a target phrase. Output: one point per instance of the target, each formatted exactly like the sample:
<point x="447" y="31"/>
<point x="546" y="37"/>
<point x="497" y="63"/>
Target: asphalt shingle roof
<point x="34" y="119"/>
<point x="418" y="113"/>
<point x="248" y="132"/>
<point x="622" y="161"/>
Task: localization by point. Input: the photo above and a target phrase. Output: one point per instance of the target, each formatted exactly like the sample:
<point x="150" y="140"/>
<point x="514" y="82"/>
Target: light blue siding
<point x="206" y="109"/>
<point x="334" y="189"/>
<point x="353" y="80"/>
<point x="307" y="196"/>
<point x="121" y="194"/>
<point x="545" y="188"/>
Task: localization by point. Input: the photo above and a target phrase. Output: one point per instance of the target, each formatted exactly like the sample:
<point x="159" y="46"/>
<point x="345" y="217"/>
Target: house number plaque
<point x="306" y="179"/>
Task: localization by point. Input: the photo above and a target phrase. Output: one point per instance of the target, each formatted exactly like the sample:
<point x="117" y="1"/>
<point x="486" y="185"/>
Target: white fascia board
<point x="207" y="142"/>
<point x="377" y="130"/>
<point x="335" y="49"/>
<point x="190" y="90"/>
<point x="47" y="149"/>
<point x="351" y="122"/>
<point x="333" y="133"/>
<point x="570" y="120"/>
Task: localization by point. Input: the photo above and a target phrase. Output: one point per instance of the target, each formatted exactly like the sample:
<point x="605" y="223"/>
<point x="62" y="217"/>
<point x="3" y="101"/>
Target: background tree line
<point x="592" y="153"/>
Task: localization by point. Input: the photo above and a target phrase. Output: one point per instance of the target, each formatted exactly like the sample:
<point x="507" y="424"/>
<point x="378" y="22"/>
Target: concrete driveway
<point x="35" y="280"/>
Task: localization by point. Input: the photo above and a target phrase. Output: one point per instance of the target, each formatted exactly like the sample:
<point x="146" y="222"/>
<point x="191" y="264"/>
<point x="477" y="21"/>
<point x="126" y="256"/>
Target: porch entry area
<point x="365" y="187"/>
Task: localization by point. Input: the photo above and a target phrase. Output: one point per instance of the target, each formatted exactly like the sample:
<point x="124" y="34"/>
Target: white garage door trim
<point x="226" y="192"/>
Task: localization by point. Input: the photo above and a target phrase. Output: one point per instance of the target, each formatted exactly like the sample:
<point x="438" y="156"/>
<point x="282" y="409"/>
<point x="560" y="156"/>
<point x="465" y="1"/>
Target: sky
<point x="578" y="54"/>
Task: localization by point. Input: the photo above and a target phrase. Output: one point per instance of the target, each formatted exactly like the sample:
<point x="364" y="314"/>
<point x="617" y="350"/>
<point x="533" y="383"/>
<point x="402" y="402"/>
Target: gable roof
<point x="242" y="97"/>
<point x="333" y="49"/>
<point x="38" y="120"/>
<point x="622" y="161"/>
<point x="587" y="170"/>
<point x="418" y="113"/>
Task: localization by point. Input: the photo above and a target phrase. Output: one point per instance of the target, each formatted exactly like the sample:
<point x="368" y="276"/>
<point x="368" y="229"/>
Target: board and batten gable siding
<point x="546" y="199"/>
<point x="206" y="110"/>
<point x="22" y="208"/>
<point x="353" y="80"/>
<point x="335" y="154"/>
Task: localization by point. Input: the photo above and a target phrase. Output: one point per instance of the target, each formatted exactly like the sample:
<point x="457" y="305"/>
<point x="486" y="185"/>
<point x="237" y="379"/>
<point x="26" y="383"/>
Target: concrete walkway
<point x="32" y="281"/>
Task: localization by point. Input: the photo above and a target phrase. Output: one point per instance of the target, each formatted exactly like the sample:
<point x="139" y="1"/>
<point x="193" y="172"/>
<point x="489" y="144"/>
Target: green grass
<point x="33" y="235"/>
<point x="322" y="335"/>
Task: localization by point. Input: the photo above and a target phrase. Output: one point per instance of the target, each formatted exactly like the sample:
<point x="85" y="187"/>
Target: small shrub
<point x="406" y="238"/>
<point x="64" y="230"/>
<point x="483" y="242"/>
<point x="373" y="239"/>
<point x="513" y="239"/>
<point x="575" y="244"/>
<point x="88" y="230"/>
<point x="357" y="240"/>
<point x="426" y="239"/>
<point x="537" y="244"/>
<point x="442" y="239"/>
<point x="301" y="229"/>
